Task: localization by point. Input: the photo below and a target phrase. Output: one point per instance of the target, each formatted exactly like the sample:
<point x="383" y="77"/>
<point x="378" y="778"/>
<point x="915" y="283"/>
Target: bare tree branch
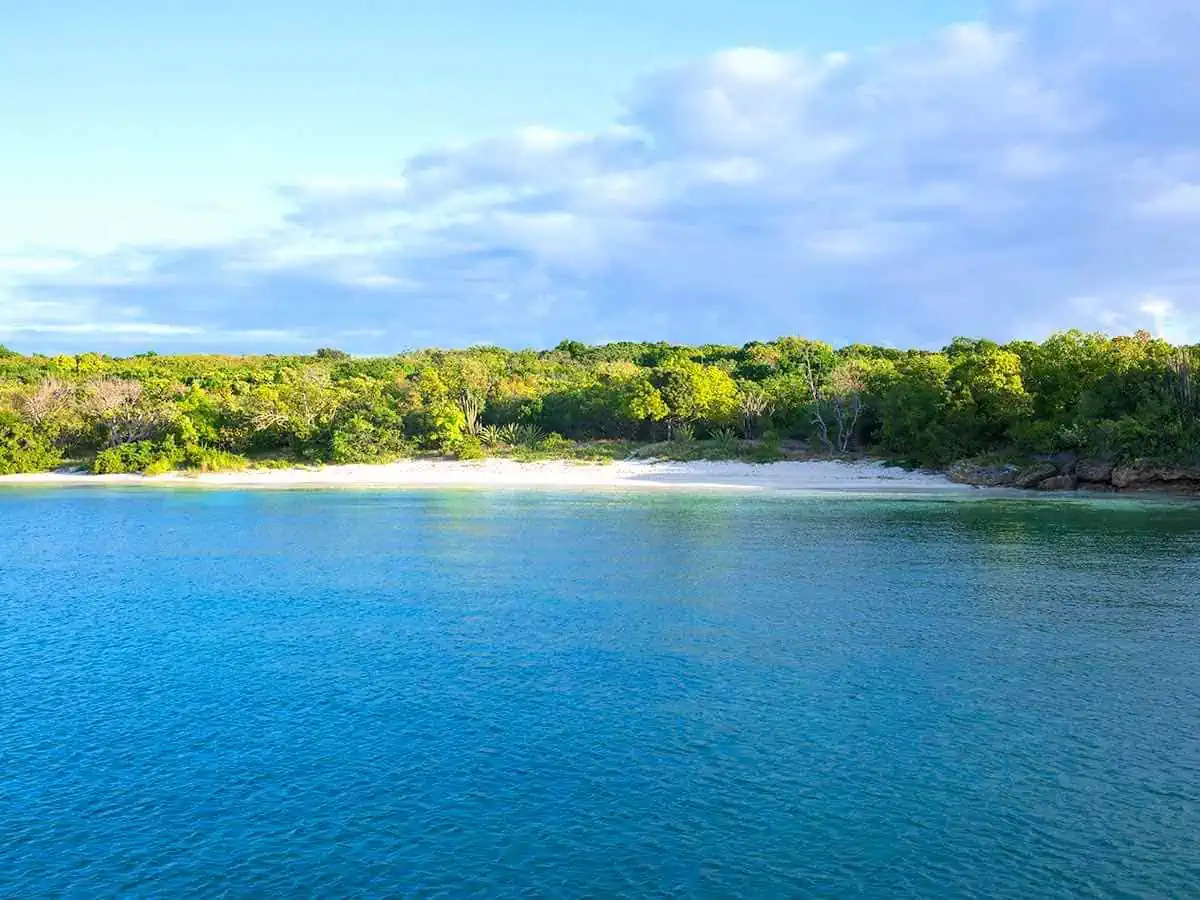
<point x="818" y="419"/>
<point x="50" y="397"/>
<point x="755" y="406"/>
<point x="123" y="412"/>
<point x="845" y="396"/>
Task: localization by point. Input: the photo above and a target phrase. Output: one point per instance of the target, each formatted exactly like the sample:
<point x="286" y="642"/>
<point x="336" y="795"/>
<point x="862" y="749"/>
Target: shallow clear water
<point x="640" y="695"/>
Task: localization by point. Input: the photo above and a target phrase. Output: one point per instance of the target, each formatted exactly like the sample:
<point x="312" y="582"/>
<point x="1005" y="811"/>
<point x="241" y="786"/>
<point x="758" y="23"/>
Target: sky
<point x="377" y="176"/>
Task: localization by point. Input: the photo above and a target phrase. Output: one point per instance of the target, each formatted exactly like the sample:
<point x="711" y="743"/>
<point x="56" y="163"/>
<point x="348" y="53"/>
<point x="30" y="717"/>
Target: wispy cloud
<point x="979" y="181"/>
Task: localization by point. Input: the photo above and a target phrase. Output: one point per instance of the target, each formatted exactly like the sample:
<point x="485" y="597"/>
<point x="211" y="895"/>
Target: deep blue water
<point x="447" y="694"/>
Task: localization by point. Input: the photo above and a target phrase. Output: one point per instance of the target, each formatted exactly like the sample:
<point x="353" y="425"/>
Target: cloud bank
<point x="1035" y="171"/>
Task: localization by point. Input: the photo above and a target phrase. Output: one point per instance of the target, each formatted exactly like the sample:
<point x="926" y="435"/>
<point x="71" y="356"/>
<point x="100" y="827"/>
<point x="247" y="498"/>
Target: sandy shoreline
<point x="809" y="475"/>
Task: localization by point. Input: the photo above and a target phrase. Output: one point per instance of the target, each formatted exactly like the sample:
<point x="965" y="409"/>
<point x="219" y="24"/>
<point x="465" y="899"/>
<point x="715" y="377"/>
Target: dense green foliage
<point x="24" y="448"/>
<point x="1118" y="397"/>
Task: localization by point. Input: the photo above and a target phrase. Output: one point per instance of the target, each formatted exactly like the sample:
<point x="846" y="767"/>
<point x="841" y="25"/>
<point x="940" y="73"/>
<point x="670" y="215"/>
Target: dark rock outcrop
<point x="1059" y="483"/>
<point x="1066" y="472"/>
<point x="966" y="472"/>
<point x="1064" y="462"/>
<point x="1142" y="474"/>
<point x="1094" y="470"/>
<point x="1034" y="475"/>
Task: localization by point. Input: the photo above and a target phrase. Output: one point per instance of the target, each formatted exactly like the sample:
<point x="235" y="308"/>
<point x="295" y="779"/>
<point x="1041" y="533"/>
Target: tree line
<point x="1089" y="393"/>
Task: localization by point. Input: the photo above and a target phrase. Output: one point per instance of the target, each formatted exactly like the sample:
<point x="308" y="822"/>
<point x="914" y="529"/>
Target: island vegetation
<point x="1075" y="395"/>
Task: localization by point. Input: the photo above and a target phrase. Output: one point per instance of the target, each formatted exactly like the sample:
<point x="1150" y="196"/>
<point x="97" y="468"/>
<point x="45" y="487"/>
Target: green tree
<point x="433" y="418"/>
<point x="913" y="411"/>
<point x="988" y="396"/>
<point x="1124" y="396"/>
<point x="696" y="393"/>
<point x="23" y="448"/>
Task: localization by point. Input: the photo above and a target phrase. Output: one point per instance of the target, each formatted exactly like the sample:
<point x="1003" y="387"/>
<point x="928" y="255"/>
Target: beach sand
<point x="808" y="475"/>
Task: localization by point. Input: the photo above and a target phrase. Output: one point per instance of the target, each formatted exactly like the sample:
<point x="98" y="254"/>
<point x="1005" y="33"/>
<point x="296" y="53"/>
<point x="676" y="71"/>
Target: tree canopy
<point x="1091" y="393"/>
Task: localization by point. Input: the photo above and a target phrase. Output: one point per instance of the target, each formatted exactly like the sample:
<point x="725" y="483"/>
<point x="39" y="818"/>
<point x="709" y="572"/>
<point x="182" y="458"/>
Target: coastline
<point x="791" y="475"/>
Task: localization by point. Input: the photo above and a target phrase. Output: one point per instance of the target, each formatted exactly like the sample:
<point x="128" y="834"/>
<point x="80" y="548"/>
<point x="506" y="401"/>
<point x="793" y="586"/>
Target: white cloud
<point x="979" y="181"/>
<point x="1170" y="322"/>
<point x="60" y="317"/>
<point x="11" y="265"/>
<point x="96" y="320"/>
<point x="140" y="329"/>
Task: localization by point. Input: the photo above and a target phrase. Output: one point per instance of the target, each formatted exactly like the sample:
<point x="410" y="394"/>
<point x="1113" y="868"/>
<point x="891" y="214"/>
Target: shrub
<point x="439" y="427"/>
<point x="770" y="449"/>
<point x="360" y="440"/>
<point x="555" y="443"/>
<point x="271" y="464"/>
<point x="725" y="440"/>
<point x="138" y="457"/>
<point x="160" y="466"/>
<point x="469" y="447"/>
<point x="207" y="459"/>
<point x="521" y="434"/>
<point x="491" y="436"/>
<point x="160" y="457"/>
<point x="22" y="449"/>
<point x="683" y="433"/>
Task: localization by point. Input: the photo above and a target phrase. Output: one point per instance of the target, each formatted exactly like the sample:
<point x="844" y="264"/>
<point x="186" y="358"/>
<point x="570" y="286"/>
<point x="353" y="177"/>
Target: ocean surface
<point x="532" y="694"/>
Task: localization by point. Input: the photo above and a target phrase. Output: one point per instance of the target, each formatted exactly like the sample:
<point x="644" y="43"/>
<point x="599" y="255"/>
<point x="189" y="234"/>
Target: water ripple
<point x="457" y="695"/>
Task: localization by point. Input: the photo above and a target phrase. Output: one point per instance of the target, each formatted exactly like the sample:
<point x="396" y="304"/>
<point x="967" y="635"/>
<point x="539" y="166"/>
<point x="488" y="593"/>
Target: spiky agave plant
<point x="726" y="440"/>
<point x="521" y="434"/>
<point x="491" y="436"/>
<point x="508" y="433"/>
<point x="529" y="435"/>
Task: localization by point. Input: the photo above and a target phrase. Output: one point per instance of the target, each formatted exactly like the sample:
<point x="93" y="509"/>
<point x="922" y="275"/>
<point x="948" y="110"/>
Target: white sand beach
<point x="808" y="475"/>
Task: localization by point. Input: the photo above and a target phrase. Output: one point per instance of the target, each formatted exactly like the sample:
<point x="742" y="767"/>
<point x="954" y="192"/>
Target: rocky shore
<point x="1068" y="472"/>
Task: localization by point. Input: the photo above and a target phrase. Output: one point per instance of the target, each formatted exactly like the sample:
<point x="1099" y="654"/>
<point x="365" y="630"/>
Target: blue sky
<point x="270" y="176"/>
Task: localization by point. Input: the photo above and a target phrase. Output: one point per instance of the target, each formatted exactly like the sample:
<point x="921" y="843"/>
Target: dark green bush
<point x="468" y="447"/>
<point x="360" y="440"/>
<point x="24" y="449"/>
<point x="208" y="459"/>
<point x="140" y="457"/>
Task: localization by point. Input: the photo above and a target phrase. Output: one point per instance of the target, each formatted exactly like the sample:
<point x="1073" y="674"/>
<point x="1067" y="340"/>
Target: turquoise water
<point x="449" y="694"/>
